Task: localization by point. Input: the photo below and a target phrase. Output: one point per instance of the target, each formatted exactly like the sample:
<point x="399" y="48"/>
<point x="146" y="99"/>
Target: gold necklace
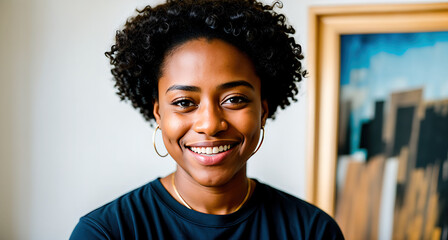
<point x="188" y="206"/>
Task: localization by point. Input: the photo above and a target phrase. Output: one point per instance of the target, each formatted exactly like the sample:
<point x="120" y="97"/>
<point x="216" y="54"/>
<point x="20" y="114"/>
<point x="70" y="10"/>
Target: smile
<point x="210" y="150"/>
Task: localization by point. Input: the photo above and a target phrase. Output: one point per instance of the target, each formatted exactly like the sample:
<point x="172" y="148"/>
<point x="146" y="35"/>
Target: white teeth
<point x="210" y="150"/>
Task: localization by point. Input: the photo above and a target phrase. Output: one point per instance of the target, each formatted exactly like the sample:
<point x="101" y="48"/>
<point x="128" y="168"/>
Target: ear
<point x="264" y="115"/>
<point x="155" y="111"/>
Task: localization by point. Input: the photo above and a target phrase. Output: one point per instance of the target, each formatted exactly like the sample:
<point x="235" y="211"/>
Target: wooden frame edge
<point x="317" y="17"/>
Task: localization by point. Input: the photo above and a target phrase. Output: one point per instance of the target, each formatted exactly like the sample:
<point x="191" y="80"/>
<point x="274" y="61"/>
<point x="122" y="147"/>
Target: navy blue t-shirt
<point x="150" y="212"/>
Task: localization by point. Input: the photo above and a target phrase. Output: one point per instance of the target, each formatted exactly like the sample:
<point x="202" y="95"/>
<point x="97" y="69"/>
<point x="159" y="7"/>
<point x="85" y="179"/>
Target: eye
<point x="236" y="100"/>
<point x="183" y="103"/>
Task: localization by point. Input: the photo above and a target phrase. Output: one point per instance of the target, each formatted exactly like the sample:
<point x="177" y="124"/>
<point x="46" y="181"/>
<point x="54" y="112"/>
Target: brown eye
<point x="184" y="103"/>
<point x="236" y="100"/>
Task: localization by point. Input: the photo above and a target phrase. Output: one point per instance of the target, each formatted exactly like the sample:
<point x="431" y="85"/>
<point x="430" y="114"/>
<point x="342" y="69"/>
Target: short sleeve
<point x="327" y="228"/>
<point x="88" y="229"/>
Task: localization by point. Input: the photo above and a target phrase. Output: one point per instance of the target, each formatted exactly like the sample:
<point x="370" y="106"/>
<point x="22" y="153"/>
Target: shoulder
<point x="125" y="204"/>
<point x="309" y="219"/>
<point x="277" y="198"/>
<point x="102" y="222"/>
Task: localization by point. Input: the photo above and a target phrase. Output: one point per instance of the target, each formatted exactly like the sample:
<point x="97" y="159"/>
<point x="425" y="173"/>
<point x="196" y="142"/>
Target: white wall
<point x="68" y="145"/>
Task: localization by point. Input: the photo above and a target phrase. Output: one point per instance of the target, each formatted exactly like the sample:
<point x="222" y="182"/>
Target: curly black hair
<point x="252" y="27"/>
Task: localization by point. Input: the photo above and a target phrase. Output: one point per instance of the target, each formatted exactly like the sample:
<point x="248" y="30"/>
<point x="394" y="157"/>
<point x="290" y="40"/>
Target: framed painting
<point x="378" y="119"/>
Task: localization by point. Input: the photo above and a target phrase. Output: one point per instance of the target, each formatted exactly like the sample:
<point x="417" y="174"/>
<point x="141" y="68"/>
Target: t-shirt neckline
<point x="204" y="219"/>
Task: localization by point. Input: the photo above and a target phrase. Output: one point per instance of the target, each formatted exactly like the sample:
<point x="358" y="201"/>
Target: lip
<point x="211" y="143"/>
<point x="213" y="159"/>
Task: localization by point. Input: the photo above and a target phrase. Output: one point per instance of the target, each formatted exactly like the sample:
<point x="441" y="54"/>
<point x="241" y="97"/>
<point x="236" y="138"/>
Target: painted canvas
<point x="392" y="167"/>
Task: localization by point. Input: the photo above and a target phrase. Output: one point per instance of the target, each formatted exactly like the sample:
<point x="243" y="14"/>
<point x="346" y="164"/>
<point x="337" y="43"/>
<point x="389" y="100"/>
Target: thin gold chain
<point x="188" y="206"/>
<point x="246" y="197"/>
<point x="178" y="195"/>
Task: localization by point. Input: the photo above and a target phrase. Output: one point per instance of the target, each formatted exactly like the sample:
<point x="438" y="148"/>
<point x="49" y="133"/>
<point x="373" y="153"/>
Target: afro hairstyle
<point x="254" y="28"/>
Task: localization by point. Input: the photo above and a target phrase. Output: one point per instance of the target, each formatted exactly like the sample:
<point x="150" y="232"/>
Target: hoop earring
<point x="262" y="138"/>
<point x="154" y="142"/>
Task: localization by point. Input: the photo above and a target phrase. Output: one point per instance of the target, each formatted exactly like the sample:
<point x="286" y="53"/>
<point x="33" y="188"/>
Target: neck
<point x="212" y="199"/>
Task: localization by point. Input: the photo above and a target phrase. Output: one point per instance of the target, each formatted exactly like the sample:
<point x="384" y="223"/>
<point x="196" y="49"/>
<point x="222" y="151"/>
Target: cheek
<point x="252" y="132"/>
<point x="174" y="128"/>
<point x="248" y="123"/>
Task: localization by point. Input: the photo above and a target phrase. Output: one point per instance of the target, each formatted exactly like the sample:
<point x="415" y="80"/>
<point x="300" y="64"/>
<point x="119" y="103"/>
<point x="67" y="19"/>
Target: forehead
<point x="202" y="62"/>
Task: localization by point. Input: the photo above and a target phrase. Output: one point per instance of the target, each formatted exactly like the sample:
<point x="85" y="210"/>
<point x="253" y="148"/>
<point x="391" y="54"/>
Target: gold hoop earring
<point x="262" y="138"/>
<point x="154" y="142"/>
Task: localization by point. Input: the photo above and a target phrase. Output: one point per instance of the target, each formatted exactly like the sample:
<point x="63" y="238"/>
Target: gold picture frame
<point x="327" y="24"/>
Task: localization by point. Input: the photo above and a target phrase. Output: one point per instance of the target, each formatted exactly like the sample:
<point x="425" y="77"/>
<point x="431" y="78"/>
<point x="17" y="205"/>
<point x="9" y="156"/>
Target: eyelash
<point x="240" y="99"/>
<point x="180" y="102"/>
<point x="187" y="103"/>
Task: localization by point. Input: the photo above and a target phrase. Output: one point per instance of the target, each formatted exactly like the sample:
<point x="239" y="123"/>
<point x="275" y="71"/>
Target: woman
<point x="209" y="73"/>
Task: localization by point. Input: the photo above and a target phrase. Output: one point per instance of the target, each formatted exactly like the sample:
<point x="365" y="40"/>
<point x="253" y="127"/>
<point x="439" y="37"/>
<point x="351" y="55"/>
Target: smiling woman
<point x="210" y="97"/>
<point x="208" y="73"/>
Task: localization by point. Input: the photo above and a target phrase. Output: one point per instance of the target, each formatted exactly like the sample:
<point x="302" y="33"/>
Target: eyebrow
<point x="235" y="84"/>
<point x="220" y="87"/>
<point x="183" y="88"/>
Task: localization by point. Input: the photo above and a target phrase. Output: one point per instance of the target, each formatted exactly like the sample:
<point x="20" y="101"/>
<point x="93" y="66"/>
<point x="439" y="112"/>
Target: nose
<point x="209" y="120"/>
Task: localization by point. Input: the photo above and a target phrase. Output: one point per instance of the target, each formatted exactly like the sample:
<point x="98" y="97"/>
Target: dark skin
<point x="209" y="100"/>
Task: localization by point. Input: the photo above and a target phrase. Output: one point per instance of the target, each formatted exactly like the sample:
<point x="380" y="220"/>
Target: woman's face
<point x="210" y="110"/>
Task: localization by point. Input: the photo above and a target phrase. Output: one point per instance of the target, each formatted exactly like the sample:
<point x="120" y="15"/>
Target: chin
<point x="211" y="180"/>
